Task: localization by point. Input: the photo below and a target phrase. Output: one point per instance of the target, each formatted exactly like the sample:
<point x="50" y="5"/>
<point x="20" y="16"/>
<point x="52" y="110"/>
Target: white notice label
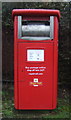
<point x="35" y="55"/>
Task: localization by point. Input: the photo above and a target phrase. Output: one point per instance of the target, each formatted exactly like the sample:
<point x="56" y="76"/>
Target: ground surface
<point x="62" y="110"/>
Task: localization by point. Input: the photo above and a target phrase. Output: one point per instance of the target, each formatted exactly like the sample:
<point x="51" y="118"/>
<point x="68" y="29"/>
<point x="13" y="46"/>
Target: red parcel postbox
<point x="35" y="58"/>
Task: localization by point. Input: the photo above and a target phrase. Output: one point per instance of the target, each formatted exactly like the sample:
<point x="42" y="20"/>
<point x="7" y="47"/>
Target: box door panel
<point x="35" y="75"/>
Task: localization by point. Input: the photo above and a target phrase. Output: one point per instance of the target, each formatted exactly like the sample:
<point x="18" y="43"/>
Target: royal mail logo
<point x="35" y="83"/>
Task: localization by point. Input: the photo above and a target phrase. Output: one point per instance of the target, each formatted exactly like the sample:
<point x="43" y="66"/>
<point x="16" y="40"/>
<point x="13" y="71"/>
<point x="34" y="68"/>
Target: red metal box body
<point x="35" y="81"/>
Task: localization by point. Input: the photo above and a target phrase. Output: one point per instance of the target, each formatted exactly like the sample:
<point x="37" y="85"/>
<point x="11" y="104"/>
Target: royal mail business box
<point x="35" y="58"/>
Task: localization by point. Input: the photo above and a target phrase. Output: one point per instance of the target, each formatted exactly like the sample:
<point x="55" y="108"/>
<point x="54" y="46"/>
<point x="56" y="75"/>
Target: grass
<point x="62" y="110"/>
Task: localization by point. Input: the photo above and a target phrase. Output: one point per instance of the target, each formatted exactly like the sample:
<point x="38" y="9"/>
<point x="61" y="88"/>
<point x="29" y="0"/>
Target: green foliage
<point x="62" y="110"/>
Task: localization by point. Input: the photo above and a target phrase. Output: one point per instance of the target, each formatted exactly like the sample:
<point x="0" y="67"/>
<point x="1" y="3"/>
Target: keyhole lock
<point x="22" y="71"/>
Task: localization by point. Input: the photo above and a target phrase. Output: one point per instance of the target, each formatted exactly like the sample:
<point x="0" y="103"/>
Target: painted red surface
<point x="34" y="12"/>
<point x="26" y="95"/>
